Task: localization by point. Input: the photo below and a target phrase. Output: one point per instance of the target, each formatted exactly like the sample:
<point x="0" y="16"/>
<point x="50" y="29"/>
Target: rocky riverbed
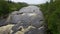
<point x="28" y="20"/>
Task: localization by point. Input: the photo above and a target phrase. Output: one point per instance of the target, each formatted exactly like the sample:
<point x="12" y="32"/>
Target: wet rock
<point x="29" y="16"/>
<point x="36" y="31"/>
<point x="26" y="17"/>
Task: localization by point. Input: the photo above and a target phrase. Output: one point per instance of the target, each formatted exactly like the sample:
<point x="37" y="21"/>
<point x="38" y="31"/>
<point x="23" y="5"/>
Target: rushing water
<point x="29" y="16"/>
<point x="25" y="17"/>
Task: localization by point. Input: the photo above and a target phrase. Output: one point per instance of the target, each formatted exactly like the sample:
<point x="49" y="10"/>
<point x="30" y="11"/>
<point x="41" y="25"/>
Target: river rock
<point x="29" y="16"/>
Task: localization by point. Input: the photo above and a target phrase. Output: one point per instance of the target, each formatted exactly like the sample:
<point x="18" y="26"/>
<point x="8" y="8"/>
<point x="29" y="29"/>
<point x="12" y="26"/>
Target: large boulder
<point x="29" y="16"/>
<point x="25" y="17"/>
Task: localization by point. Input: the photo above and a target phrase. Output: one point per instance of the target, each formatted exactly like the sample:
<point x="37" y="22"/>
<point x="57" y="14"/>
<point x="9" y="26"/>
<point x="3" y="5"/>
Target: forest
<point x="51" y="11"/>
<point x="7" y="7"/>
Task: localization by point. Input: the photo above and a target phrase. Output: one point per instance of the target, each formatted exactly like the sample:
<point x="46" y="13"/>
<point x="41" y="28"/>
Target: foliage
<point x="7" y="7"/>
<point x="51" y="12"/>
<point x="3" y="7"/>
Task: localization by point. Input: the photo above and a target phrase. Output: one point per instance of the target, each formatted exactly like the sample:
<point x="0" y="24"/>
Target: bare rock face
<point x="25" y="17"/>
<point x="12" y="17"/>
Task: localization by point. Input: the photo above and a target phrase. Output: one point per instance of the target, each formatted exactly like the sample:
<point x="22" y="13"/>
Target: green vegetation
<point x="51" y="12"/>
<point x="7" y="7"/>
